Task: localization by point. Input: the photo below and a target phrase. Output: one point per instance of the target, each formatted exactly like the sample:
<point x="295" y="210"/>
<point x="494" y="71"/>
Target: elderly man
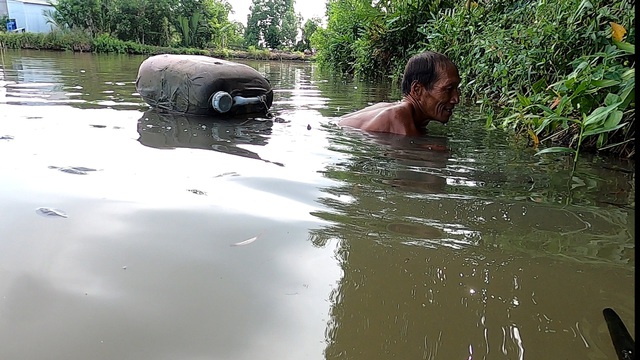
<point x="430" y="92"/>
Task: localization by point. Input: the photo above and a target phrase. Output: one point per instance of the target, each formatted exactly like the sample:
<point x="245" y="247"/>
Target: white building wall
<point x="28" y="15"/>
<point x="3" y="8"/>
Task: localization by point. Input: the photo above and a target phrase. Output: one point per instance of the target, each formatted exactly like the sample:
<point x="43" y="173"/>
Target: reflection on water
<point x="165" y="131"/>
<point x="77" y="79"/>
<point x="474" y="205"/>
<point x="450" y="261"/>
<point x="457" y="245"/>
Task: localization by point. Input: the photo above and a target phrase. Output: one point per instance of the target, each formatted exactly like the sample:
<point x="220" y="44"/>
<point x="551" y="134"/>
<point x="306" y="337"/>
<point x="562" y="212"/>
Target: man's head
<point x="425" y="69"/>
<point x="431" y="80"/>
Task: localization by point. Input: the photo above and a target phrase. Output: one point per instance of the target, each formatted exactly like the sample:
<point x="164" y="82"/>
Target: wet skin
<point x="411" y="115"/>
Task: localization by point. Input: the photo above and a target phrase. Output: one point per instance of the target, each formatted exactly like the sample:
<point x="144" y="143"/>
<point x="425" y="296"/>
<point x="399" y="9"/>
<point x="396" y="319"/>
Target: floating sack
<point x="202" y="85"/>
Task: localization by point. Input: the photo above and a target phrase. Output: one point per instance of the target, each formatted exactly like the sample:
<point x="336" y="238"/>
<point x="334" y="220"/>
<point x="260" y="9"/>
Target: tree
<point x="272" y="23"/>
<point x="195" y="23"/>
<point x="347" y="23"/>
<point x="308" y="29"/>
<point x="233" y="34"/>
<point x="129" y="20"/>
<point x="257" y="22"/>
<point x="158" y="29"/>
<point x="86" y="15"/>
<point x="289" y="28"/>
<point x="222" y="30"/>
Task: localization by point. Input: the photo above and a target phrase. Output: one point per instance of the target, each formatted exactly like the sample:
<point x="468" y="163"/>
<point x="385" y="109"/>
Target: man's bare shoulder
<point x="396" y="118"/>
<point x="382" y="117"/>
<point x="371" y="116"/>
<point x="369" y="109"/>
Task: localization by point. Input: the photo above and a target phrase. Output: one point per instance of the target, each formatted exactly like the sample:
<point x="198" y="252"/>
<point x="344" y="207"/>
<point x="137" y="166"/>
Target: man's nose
<point x="455" y="99"/>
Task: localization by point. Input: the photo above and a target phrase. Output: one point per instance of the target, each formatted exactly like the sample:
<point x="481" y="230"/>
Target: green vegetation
<point x="273" y="24"/>
<point x="141" y="26"/>
<point x="200" y="24"/>
<point x="167" y="26"/>
<point x="186" y="23"/>
<point x="560" y="70"/>
<point x="81" y="42"/>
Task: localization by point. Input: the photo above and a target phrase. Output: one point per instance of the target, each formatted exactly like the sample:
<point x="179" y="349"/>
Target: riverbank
<point x="266" y="55"/>
<point x="80" y="42"/>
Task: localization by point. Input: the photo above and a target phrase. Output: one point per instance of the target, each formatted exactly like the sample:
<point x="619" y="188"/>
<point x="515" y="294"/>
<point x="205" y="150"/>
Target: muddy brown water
<point x="130" y="234"/>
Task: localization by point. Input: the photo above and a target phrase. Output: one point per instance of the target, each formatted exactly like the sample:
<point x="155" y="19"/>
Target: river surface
<point x="126" y="233"/>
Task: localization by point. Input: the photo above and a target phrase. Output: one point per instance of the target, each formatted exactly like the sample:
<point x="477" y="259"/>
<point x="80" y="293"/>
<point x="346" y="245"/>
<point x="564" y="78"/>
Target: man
<point x="430" y="92"/>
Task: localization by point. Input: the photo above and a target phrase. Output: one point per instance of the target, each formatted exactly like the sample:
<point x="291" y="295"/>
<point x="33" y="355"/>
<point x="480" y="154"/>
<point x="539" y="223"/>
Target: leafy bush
<point x="3" y="23"/>
<point x="260" y="54"/>
<point x="593" y="105"/>
<point x="55" y="40"/>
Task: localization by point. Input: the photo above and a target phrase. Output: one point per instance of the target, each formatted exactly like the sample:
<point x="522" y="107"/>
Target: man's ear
<point x="417" y="88"/>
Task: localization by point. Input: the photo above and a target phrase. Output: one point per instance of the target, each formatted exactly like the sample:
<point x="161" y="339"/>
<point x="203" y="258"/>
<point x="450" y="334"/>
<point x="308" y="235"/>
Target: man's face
<point x="438" y="103"/>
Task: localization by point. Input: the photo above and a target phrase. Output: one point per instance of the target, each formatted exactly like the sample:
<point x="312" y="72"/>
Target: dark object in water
<point x="622" y="341"/>
<point x="202" y="85"/>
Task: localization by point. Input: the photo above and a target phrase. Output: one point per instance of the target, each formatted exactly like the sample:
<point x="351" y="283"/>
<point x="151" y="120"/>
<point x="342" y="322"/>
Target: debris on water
<point x="230" y="173"/>
<point x="82" y="168"/>
<point x="6" y="137"/>
<point x="246" y="242"/>
<point x="98" y="126"/>
<point x="197" y="192"/>
<point x="280" y="120"/>
<point x="70" y="170"/>
<point x="50" y="212"/>
<point x="76" y="170"/>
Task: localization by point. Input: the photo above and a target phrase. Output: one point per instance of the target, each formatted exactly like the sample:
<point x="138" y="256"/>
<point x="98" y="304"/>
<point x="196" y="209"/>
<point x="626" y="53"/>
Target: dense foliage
<point x="81" y="42"/>
<point x="372" y="40"/>
<point x="272" y="24"/>
<point x="187" y="23"/>
<point x="559" y="69"/>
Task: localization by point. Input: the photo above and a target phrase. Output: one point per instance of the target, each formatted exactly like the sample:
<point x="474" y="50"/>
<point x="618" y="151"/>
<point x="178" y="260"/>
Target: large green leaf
<point x="613" y="119"/>
<point x="601" y="130"/>
<point x="625" y="46"/>
<point x="600" y="114"/>
<point x="604" y="83"/>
